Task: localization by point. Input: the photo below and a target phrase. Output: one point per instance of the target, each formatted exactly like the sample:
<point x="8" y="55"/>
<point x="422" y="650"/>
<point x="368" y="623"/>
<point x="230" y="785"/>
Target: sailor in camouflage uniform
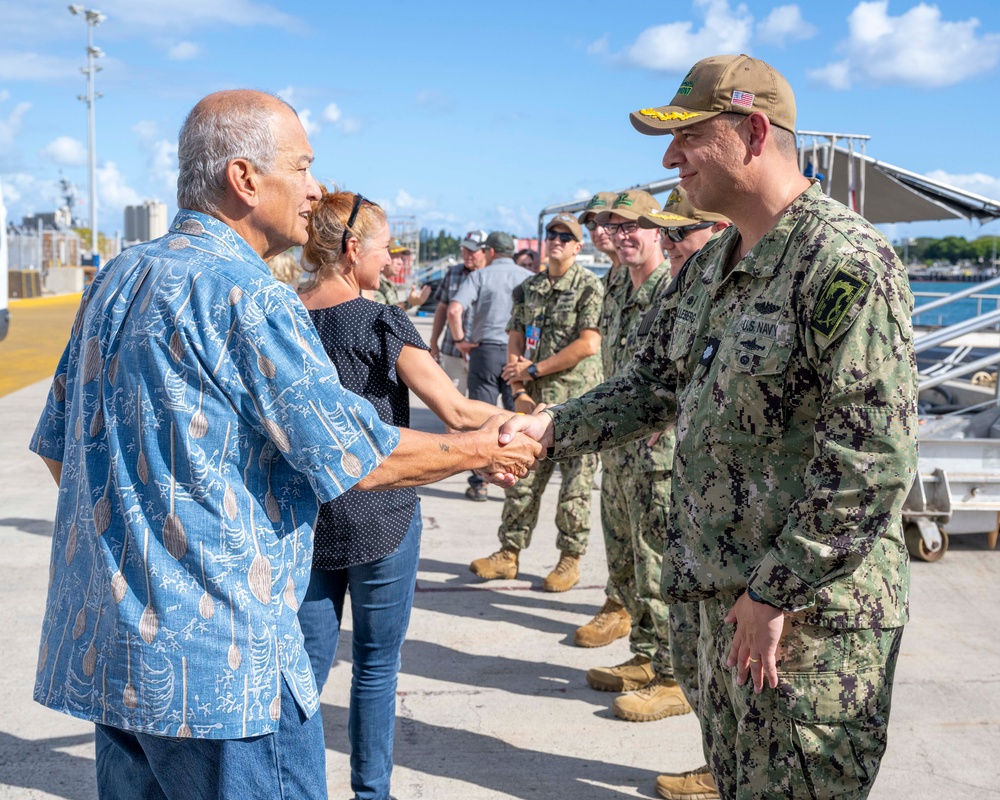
<point x="612" y="621"/>
<point x="788" y="364"/>
<point x="386" y="292"/>
<point x="635" y="484"/>
<point x="552" y="356"/>
<point x="636" y="519"/>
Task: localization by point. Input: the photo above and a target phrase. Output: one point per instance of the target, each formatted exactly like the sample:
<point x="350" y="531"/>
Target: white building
<point x="145" y="222"/>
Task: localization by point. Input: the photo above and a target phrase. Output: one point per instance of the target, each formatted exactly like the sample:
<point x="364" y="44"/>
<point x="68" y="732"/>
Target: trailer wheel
<point x="918" y="548"/>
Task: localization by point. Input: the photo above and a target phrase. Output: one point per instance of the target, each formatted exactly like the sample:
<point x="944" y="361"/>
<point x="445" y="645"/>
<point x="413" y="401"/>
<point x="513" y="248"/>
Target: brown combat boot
<point x="659" y="698"/>
<point x="610" y="623"/>
<point x="502" y="564"/>
<point x="565" y="575"/>
<point x="695" y="785"/>
<point x="633" y="674"/>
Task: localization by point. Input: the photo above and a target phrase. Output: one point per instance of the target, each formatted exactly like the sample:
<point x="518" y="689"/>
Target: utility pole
<point x="93" y="18"/>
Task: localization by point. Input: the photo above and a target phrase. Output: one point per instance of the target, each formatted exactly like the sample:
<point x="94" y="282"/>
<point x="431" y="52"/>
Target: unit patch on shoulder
<point x="837" y="298"/>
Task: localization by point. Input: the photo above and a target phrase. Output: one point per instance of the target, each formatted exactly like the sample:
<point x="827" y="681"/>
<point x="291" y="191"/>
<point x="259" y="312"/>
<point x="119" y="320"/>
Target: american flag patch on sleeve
<point x="744" y="99"/>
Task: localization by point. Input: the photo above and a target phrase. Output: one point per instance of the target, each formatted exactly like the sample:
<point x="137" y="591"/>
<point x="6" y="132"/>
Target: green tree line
<point x="434" y="246"/>
<point x="952" y="249"/>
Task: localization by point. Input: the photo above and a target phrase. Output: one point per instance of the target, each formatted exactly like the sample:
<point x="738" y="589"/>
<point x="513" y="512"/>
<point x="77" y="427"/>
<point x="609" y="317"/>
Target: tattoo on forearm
<point x="444" y="448"/>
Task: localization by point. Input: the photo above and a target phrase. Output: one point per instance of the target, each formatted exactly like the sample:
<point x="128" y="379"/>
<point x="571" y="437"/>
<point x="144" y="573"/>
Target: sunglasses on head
<point x="677" y="234"/>
<point x="562" y="236"/>
<point x="358" y="200"/>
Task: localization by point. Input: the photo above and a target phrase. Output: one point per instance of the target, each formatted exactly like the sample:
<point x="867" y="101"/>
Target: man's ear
<point x="243" y="181"/>
<point x="758" y="132"/>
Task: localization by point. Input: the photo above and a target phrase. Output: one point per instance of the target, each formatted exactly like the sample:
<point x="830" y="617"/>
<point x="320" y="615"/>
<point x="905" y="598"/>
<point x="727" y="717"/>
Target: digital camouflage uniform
<point x="386" y="292"/>
<point x="560" y="311"/>
<point x="635" y="486"/>
<point x="793" y="384"/>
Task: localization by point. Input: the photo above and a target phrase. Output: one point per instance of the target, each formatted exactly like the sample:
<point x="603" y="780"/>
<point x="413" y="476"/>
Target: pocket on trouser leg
<point x="829" y="734"/>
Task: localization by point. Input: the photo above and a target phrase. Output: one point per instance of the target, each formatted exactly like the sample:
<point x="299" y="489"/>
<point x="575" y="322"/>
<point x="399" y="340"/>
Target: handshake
<point x="512" y="445"/>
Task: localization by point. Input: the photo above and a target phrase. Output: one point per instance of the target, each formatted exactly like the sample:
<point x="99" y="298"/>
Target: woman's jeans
<point x="381" y="599"/>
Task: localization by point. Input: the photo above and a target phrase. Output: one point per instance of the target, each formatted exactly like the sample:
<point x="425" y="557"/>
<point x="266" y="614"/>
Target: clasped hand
<point x="517" y="371"/>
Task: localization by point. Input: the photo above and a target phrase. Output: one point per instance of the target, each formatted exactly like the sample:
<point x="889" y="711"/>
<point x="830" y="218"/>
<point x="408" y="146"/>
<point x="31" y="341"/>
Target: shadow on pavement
<point x="494" y="764"/>
<point x="37" y="527"/>
<point x="37" y="764"/>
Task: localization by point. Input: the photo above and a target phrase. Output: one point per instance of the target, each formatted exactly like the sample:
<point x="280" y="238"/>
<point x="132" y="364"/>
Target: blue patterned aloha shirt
<point x="200" y="424"/>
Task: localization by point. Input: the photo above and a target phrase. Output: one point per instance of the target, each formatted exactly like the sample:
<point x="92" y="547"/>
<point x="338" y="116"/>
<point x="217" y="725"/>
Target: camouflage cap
<point x="598" y="203"/>
<point x="631" y="205"/>
<point x="569" y="222"/>
<point x="720" y="84"/>
<point x="678" y="213"/>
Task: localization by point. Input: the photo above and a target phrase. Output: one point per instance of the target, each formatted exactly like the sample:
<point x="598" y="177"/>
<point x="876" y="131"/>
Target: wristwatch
<point x="533" y="371"/>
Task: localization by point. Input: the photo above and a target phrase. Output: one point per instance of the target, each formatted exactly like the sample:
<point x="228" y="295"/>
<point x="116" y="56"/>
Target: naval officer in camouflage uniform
<point x="635" y="496"/>
<point x="635" y="485"/>
<point x="788" y="363"/>
<point x="386" y="292"/>
<point x="553" y="341"/>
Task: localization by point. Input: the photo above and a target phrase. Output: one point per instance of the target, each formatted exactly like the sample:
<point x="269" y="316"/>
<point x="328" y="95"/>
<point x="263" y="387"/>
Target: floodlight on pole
<point x="93" y="18"/>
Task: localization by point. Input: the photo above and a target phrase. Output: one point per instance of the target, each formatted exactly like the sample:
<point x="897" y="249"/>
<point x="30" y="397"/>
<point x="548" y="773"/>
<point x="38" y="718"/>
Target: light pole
<point x="93" y="18"/>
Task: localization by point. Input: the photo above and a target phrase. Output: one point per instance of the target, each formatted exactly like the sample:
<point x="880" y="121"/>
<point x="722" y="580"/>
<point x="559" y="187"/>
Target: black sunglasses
<point x="562" y="236"/>
<point x="591" y="225"/>
<point x="678" y="234"/>
<point x="358" y="200"/>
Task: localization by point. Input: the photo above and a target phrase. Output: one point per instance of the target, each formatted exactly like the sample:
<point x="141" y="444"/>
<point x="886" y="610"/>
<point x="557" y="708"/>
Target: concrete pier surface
<point x="492" y="700"/>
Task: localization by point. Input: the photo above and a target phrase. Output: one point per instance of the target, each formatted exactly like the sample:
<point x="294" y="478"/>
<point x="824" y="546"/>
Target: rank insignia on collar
<point x="708" y="354"/>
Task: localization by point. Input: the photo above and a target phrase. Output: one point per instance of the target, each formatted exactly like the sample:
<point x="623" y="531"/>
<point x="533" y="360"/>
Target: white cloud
<point x="311" y="127"/>
<point x="434" y="101"/>
<point x="184" y="51"/>
<point x="113" y="193"/>
<point x="598" y="47"/>
<point x="36" y="67"/>
<point x="782" y="24"/>
<point x="332" y="113"/>
<point x="9" y="127"/>
<point x="516" y="220"/>
<point x="195" y="14"/>
<point x="917" y="48"/>
<point x="976" y="182"/>
<point x="836" y="75"/>
<point x="146" y="130"/>
<point x="65" y="150"/>
<point x="24" y="193"/>
<point x="582" y="194"/>
<point x="162" y="168"/>
<point x="350" y="125"/>
<point x="4" y="95"/>
<point x="407" y="202"/>
<point x="675" y="46"/>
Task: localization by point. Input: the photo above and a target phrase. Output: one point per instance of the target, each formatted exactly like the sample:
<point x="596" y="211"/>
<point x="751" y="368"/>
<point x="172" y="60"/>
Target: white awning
<point x="885" y="193"/>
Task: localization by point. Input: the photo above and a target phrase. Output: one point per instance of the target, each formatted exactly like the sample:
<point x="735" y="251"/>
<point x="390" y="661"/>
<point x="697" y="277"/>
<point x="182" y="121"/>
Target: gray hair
<point x="216" y="133"/>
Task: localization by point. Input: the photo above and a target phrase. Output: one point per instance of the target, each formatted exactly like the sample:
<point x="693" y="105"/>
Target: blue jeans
<point x="381" y="599"/>
<point x="287" y="765"/>
<point x="486" y="362"/>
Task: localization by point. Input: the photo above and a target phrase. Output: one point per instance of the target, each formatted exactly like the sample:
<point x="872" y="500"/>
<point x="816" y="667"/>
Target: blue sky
<point x="478" y="115"/>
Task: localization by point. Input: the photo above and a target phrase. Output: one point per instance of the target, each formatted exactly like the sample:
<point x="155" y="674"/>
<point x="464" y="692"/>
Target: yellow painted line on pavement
<point x="39" y="330"/>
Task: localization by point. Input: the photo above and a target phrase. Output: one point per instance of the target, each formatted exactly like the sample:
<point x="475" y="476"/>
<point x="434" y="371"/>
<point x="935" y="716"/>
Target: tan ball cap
<point x="678" y="212"/>
<point x="630" y="205"/>
<point x="720" y="84"/>
<point x="569" y="221"/>
<point x="601" y="201"/>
